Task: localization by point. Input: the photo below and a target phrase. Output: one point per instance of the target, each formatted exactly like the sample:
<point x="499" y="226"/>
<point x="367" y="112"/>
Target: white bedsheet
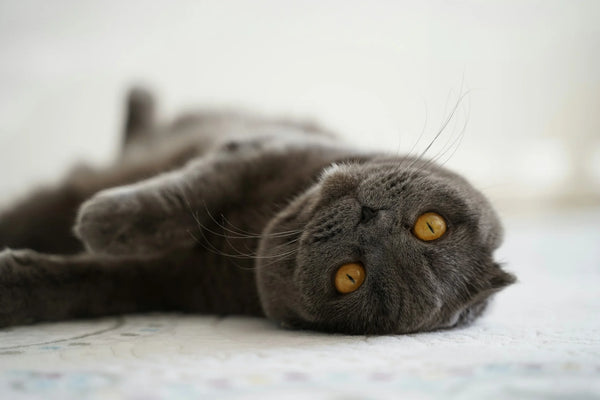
<point x="541" y="339"/>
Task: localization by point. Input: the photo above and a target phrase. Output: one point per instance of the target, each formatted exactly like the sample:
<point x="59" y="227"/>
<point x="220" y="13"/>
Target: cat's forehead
<point x="394" y="176"/>
<point x="385" y="167"/>
<point x="411" y="185"/>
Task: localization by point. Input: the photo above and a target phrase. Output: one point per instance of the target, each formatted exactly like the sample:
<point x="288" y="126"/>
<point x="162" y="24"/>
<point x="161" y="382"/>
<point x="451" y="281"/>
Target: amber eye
<point x="429" y="226"/>
<point x="349" y="277"/>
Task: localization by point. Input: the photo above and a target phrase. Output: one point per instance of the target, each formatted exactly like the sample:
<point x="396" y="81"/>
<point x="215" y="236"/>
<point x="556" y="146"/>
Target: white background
<point x="380" y="72"/>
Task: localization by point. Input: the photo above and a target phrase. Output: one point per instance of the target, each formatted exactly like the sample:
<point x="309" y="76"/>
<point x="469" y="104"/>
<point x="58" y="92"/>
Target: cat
<point x="232" y="213"/>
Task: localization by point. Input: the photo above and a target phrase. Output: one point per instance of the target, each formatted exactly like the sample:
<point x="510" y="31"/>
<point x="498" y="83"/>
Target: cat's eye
<point x="429" y="226"/>
<point x="349" y="277"/>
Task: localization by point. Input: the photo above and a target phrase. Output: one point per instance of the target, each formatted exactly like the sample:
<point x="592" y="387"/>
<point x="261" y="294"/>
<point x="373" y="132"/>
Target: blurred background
<point x="385" y="74"/>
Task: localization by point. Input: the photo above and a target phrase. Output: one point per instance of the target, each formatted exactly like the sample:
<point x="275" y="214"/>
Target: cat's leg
<point x="161" y="213"/>
<point x="41" y="287"/>
<point x="140" y="115"/>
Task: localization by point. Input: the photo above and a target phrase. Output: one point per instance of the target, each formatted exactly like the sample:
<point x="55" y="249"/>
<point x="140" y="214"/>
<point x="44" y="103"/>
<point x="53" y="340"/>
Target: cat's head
<point x="417" y="275"/>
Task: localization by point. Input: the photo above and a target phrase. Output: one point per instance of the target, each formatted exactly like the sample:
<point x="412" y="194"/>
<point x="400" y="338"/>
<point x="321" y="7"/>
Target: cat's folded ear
<point x="476" y="300"/>
<point x="500" y="278"/>
<point x="494" y="280"/>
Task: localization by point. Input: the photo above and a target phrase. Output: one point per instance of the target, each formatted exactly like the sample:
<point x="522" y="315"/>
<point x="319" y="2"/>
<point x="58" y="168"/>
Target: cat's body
<point x="229" y="213"/>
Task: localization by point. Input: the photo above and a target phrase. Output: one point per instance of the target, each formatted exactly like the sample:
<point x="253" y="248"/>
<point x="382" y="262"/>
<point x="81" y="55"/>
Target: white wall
<point x="378" y="71"/>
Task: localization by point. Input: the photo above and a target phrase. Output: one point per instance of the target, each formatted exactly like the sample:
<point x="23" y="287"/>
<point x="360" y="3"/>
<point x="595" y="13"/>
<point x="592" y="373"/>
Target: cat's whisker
<point x="276" y="248"/>
<point x="235" y="229"/>
<point x="202" y="226"/>
<point x="282" y="257"/>
<point x="254" y="254"/>
<point x="206" y="245"/>
<point x="283" y="245"/>
<point x="234" y="234"/>
<point x="239" y="254"/>
<point x="262" y="235"/>
<point x="216" y="251"/>
<point x="244" y="234"/>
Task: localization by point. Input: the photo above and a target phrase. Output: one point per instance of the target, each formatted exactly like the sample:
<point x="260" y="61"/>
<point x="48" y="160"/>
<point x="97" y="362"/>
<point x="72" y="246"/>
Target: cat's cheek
<point x="279" y="295"/>
<point x="467" y="315"/>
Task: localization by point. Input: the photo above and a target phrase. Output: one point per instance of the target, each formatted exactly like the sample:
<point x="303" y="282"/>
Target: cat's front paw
<point x="105" y="223"/>
<point x="11" y="259"/>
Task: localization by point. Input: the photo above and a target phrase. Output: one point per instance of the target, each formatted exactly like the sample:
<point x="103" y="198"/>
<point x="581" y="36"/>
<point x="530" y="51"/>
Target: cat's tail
<point x="140" y="114"/>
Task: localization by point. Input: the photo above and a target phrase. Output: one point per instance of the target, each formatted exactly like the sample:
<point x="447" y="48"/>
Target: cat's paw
<point x="11" y="259"/>
<point x="133" y="220"/>
<point x="106" y="222"/>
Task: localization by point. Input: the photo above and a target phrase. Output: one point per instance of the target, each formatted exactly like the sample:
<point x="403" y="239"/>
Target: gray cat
<point x="229" y="213"/>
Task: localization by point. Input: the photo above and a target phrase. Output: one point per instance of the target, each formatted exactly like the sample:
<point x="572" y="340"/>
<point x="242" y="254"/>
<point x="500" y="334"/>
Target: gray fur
<point x="250" y="216"/>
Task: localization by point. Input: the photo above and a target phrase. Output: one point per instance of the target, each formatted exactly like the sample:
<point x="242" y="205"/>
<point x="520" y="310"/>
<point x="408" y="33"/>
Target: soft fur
<point x="230" y="213"/>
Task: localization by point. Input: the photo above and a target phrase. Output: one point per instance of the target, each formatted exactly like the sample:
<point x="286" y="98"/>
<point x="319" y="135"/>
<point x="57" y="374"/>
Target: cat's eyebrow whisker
<point x="445" y="124"/>
<point x="416" y="143"/>
<point x="457" y="140"/>
<point x="460" y="136"/>
<point x="450" y="147"/>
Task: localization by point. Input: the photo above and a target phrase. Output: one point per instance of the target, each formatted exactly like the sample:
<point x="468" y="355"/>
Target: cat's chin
<point x="459" y="319"/>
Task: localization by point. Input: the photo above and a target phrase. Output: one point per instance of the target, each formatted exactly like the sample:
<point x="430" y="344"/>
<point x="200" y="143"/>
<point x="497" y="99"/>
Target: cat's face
<point x="365" y="214"/>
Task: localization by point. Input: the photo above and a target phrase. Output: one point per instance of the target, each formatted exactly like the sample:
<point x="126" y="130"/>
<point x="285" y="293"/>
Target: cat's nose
<point x="367" y="214"/>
